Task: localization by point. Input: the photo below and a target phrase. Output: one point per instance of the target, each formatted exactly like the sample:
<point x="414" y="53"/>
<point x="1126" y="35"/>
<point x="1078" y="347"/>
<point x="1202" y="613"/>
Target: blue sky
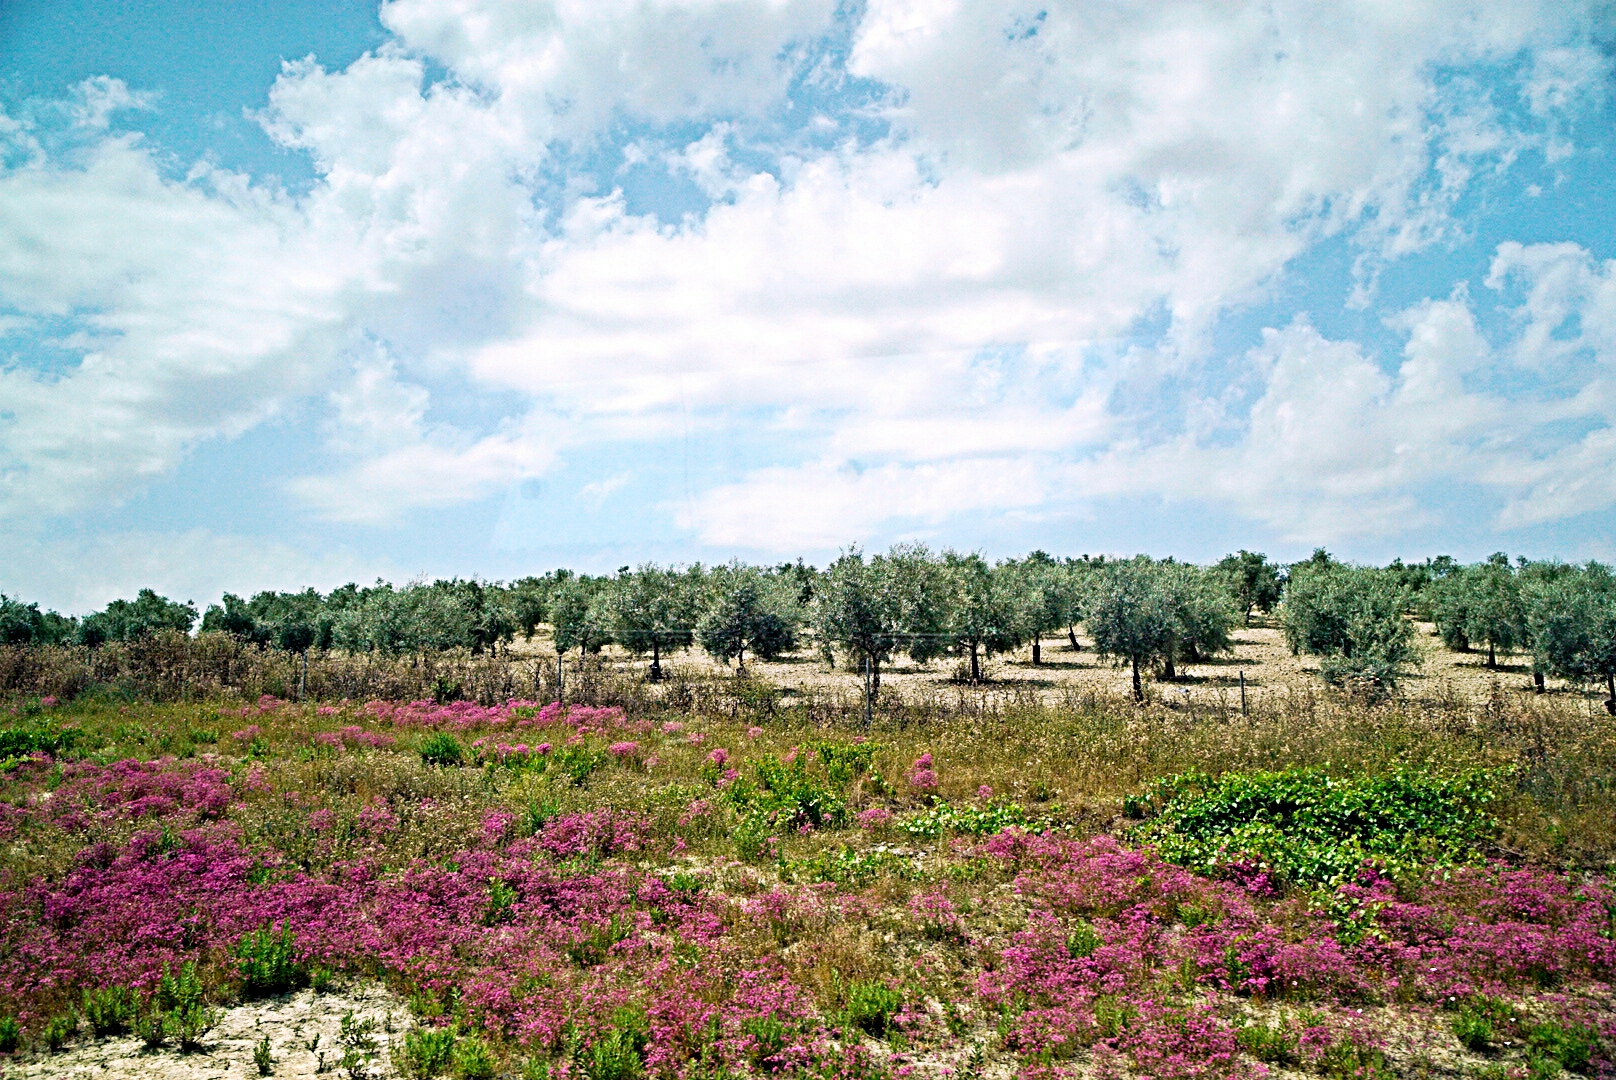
<point x="316" y="291"/>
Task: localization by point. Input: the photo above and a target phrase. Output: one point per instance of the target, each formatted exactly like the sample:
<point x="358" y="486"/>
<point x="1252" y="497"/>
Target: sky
<point x="309" y="291"/>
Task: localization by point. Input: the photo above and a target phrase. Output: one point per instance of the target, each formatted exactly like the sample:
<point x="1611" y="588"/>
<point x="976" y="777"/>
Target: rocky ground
<point x="304" y="1032"/>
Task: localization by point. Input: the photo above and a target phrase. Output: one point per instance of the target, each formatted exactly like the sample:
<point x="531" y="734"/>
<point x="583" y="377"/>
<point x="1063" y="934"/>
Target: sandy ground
<point x="1259" y="657"/>
<point x="302" y="1028"/>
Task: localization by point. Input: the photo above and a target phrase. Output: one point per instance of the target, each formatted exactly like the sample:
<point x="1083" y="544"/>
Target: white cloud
<point x="934" y="321"/>
<point x="400" y="461"/>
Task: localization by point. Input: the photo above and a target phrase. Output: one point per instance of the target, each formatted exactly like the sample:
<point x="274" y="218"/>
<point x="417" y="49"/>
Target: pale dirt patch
<point x="1066" y="674"/>
<point x="301" y="1027"/>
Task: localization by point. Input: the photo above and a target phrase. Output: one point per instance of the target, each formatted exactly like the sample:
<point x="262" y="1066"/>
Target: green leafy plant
<point x="10" y="1034"/>
<point x="109" y="1011"/>
<point x="267" y="962"/>
<point x="180" y="1009"/>
<point x="846" y="762"/>
<point x="441" y="748"/>
<point x="619" y="1054"/>
<point x="357" y="1037"/>
<point x="1474" y="1027"/>
<point x="262" y="1058"/>
<point x="1311" y="829"/>
<point x="60" y="1028"/>
<point x="579" y="762"/>
<point x="1275" y="1044"/>
<point x="870" y="1007"/>
<point x="969" y="820"/>
<point x="1573" y="1047"/>
<point x="425" y="1052"/>
<point x="473" y="1060"/>
<point x="1082" y="939"/>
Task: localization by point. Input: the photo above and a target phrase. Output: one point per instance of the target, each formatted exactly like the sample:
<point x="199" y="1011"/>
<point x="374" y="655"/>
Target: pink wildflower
<point x="718" y="757"/>
<point x="984" y="792"/>
<point x="876" y="817"/>
<point x="754" y="732"/>
<point x="48" y="702"/>
<point x="624" y="749"/>
<point x="922" y="777"/>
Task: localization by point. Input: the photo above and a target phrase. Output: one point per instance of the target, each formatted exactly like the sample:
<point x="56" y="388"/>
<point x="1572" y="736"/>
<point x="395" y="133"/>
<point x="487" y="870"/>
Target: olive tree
<point x="747" y="608"/>
<point x="1351" y="617"/>
<point x="1571" y="616"/>
<point x="981" y="613"/>
<point x="874" y="609"/>
<point x="1203" y="614"/>
<point x="1480" y="604"/>
<point x="1251" y="580"/>
<point x="130" y="620"/>
<point x="652" y="610"/>
<point x="1130" y="615"/>
<point x="1047" y="596"/>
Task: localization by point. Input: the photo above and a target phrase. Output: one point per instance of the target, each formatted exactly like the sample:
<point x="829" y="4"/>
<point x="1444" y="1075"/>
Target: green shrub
<point x="426" y="1052"/>
<point x="1276" y="1045"/>
<point x="441" y="748"/>
<point x="846" y="762"/>
<point x="151" y="1025"/>
<point x="597" y="941"/>
<point x="579" y="762"/>
<point x="60" y="1028"/>
<point x="1574" y="1047"/>
<point x="190" y="1023"/>
<point x="268" y="965"/>
<point x="1480" y="1023"/>
<point x="870" y="1007"/>
<point x="1346" y="1060"/>
<point x="179" y="1010"/>
<point x="10" y="1034"/>
<point x="770" y="1036"/>
<point x="1311" y="829"/>
<point x="109" y="1011"/>
<point x="35" y="737"/>
<point x="847" y="866"/>
<point x="262" y="1058"/>
<point x="619" y="1053"/>
<point x="358" y="1041"/>
<point x="1083" y="939"/>
<point x="473" y="1060"/>
<point x="943" y="817"/>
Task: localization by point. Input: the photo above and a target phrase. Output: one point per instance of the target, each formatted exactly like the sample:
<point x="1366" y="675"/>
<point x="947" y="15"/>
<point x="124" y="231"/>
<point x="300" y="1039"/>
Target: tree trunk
<point x="656" y="660"/>
<point x="1610" y="688"/>
<point x="740" y="662"/>
<point x="1492" y="656"/>
<point x="976" y="665"/>
<point x="875" y="675"/>
<point x="1169" y="672"/>
<point x="303" y="689"/>
<point x="1138" y="690"/>
<point x="1248" y="614"/>
<point x="1071" y="635"/>
<point x="1537" y="681"/>
<point x="1037" y="652"/>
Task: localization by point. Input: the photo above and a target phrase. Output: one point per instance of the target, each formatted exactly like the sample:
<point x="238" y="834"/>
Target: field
<point x="725" y="876"/>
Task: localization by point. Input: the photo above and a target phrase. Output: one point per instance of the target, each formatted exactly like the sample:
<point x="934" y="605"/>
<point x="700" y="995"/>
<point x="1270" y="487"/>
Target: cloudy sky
<point x="303" y="291"/>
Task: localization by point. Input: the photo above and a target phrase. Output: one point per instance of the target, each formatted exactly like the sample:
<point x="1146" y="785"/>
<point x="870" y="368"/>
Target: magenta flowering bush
<point x="922" y="777"/>
<point x="557" y="911"/>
